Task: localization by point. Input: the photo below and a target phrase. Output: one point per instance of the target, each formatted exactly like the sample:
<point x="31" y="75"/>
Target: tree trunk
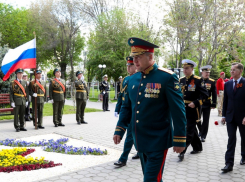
<point x="63" y="70"/>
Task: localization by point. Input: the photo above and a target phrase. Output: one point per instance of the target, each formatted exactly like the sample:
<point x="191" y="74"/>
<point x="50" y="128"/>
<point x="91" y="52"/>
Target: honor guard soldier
<point x="118" y="85"/>
<point x="131" y="69"/>
<point x="104" y="89"/>
<point x="27" y="110"/>
<point x="209" y="103"/>
<point x="57" y="94"/>
<point x="19" y="97"/>
<point x="155" y="110"/>
<point x="82" y="95"/>
<point x="38" y="93"/>
<point x="193" y="94"/>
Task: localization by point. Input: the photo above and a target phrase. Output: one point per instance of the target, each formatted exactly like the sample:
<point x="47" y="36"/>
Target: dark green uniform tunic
<point x="129" y="138"/>
<point x="17" y="96"/>
<point x="82" y="95"/>
<point x="41" y="98"/>
<point x="57" y="94"/>
<point x="153" y="106"/>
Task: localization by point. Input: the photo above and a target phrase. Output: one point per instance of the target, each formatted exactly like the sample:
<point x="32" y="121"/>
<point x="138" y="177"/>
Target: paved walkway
<point x="201" y="167"/>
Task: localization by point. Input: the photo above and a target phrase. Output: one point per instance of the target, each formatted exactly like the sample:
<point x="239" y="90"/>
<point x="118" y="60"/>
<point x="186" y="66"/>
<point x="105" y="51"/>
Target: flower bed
<point x="58" y="146"/>
<point x="15" y="160"/>
<point x="64" y="149"/>
<point x="21" y="143"/>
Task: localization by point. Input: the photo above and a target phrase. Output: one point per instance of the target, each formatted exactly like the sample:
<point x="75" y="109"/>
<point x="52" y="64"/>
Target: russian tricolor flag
<point x="23" y="57"/>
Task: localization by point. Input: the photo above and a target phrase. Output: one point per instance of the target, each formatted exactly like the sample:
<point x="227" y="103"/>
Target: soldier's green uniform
<point x="41" y="98"/>
<point x="155" y="110"/>
<point x="82" y="95"/>
<point x="57" y="94"/>
<point x="19" y="99"/>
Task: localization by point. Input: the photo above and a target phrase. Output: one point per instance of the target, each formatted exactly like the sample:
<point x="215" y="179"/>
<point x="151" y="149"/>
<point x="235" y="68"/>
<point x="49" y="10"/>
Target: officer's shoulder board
<point x="197" y="77"/>
<point x="166" y="70"/>
<point x="211" y="79"/>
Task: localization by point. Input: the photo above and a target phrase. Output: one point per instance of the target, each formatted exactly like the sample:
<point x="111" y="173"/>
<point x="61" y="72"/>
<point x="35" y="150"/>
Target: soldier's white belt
<point x="19" y="95"/>
<point x="40" y="95"/>
<point x="81" y="91"/>
<point x="59" y="92"/>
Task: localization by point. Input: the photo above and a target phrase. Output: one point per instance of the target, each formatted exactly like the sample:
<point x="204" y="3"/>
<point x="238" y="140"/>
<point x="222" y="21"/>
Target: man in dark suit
<point x="234" y="114"/>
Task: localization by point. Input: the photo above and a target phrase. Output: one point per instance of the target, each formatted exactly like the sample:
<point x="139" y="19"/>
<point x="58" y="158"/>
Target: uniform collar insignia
<point x="147" y="70"/>
<point x="187" y="77"/>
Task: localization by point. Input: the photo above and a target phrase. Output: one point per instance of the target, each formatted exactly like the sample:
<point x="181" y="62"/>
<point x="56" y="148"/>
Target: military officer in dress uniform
<point x="193" y="94"/>
<point x="155" y="110"/>
<point x="118" y="85"/>
<point x="104" y="89"/>
<point x="57" y="94"/>
<point x="38" y="93"/>
<point x="82" y="95"/>
<point x="131" y="69"/>
<point x="209" y="103"/>
<point x="19" y="97"/>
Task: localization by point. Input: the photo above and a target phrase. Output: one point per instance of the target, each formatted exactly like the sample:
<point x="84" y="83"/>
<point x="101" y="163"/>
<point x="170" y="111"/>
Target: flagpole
<point x="35" y="98"/>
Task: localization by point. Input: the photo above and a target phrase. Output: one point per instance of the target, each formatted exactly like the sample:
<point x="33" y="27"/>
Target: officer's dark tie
<point x="20" y="81"/>
<point x="234" y="89"/>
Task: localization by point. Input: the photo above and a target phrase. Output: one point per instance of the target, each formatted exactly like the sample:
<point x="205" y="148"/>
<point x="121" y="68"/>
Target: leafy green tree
<point x="108" y="45"/>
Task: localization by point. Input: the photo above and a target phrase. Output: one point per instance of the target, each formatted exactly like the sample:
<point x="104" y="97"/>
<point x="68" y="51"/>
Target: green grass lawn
<point x="96" y="93"/>
<point x="48" y="111"/>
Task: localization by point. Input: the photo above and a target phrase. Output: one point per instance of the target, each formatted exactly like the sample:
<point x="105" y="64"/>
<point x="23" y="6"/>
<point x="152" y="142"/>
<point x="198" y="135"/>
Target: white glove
<point x="13" y="104"/>
<point x="116" y="114"/>
<point x="104" y="92"/>
<point x="52" y="101"/>
<point x="26" y="103"/>
<point x="34" y="95"/>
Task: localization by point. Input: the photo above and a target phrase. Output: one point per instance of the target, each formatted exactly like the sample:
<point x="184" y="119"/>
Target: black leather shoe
<point x="78" y="123"/>
<point x="181" y="157"/>
<point x="136" y="156"/>
<point x="61" y="124"/>
<point x="202" y="140"/>
<point x="17" y="130"/>
<point x="227" y="168"/>
<point x="84" y="122"/>
<point x="242" y="162"/>
<point x="107" y="110"/>
<point x="195" y="152"/>
<point x="55" y="125"/>
<point x="120" y="164"/>
<point x="23" y="129"/>
<point x="41" y="127"/>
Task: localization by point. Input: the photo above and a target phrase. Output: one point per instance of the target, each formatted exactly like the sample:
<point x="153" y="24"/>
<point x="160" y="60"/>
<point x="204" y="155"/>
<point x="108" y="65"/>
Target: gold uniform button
<point x="137" y="121"/>
<point x="141" y="84"/>
<point x="139" y="93"/>
<point x="137" y="112"/>
<point x="139" y="102"/>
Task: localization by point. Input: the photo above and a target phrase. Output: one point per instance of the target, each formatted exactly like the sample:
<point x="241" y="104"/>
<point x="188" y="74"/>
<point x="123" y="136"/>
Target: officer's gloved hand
<point x="116" y="114"/>
<point x="26" y="103"/>
<point x="34" y="95"/>
<point x="104" y="92"/>
<point x="13" y="104"/>
<point x="51" y="101"/>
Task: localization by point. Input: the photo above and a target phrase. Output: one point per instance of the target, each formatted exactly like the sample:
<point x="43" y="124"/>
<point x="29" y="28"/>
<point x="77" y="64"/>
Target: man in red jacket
<point x="220" y="92"/>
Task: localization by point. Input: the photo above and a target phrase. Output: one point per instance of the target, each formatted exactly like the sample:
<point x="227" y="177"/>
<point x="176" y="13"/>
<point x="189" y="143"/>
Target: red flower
<point x="216" y="123"/>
